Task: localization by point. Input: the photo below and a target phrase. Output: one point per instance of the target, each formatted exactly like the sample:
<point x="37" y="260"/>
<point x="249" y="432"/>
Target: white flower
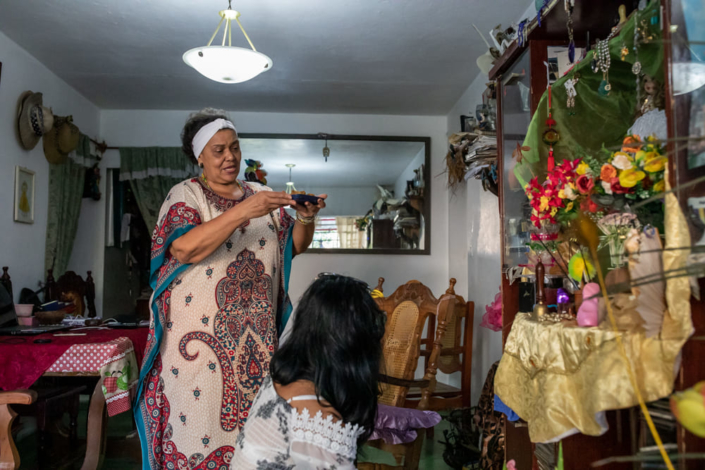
<point x="607" y="187"/>
<point x="569" y="193"/>
<point x="621" y="161"/>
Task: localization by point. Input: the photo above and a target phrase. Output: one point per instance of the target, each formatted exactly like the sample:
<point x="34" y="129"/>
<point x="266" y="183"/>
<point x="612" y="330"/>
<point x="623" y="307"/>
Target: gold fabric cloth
<point x="558" y="376"/>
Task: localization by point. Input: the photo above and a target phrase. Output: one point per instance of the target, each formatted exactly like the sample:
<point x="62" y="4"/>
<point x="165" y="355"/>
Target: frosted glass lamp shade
<point x="227" y="64"/>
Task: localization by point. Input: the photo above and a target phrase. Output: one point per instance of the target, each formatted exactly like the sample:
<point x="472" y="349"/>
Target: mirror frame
<point x="380" y="138"/>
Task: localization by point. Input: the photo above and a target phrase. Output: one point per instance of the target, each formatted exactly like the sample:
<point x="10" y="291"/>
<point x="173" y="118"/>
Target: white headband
<point x="207" y="132"/>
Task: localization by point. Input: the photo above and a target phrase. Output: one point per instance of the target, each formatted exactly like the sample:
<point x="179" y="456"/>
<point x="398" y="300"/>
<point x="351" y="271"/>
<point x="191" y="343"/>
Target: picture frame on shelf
<point x="24" y="195"/>
<point x="467" y="123"/>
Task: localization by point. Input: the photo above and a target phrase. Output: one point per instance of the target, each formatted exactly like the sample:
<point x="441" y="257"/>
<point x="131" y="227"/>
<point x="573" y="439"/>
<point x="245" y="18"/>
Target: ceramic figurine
<point x="589" y="312"/>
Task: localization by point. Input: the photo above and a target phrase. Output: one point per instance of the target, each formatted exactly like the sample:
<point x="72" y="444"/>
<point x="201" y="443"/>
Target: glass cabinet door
<point x="516" y="116"/>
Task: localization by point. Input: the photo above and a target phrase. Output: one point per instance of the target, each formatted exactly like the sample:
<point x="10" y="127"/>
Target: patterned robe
<point x="214" y="328"/>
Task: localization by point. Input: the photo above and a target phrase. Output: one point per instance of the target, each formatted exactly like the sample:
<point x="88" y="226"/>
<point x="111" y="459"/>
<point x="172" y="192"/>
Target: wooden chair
<point x="456" y="356"/>
<point x="407" y="310"/>
<point x="71" y="287"/>
<point x="9" y="457"/>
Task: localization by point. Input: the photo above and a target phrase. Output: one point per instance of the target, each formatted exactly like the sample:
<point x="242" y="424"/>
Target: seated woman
<point x="320" y="400"/>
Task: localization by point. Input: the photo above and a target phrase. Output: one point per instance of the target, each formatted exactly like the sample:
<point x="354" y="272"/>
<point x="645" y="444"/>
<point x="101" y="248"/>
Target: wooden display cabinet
<point x="522" y="67"/>
<point x="519" y="69"/>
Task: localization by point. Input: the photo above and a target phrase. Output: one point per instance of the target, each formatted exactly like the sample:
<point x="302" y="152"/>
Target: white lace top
<point x="278" y="436"/>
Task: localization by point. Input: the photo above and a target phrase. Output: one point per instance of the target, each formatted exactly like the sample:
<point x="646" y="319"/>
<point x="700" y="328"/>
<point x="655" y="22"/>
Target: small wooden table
<point x="111" y="355"/>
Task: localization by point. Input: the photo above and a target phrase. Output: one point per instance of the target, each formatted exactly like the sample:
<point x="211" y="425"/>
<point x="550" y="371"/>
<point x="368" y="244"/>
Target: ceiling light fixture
<point x="290" y="185"/>
<point x="228" y="64"/>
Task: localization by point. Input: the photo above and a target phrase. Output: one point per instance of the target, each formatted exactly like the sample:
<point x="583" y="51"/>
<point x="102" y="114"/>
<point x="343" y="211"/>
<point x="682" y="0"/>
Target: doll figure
<point x="653" y="94"/>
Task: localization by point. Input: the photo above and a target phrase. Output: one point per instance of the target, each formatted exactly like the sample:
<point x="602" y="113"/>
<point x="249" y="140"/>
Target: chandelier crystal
<point x="228" y="64"/>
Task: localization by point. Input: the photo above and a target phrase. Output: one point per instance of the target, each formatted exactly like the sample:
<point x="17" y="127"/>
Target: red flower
<point x="585" y="184"/>
<point x="587" y="205"/>
<point x="618" y="188"/>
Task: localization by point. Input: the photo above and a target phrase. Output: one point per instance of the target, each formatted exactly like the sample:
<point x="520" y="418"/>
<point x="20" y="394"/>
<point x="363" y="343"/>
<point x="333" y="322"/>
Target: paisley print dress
<point x="214" y="328"/>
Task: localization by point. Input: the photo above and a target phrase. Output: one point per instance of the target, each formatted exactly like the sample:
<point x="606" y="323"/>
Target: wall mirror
<point x="378" y="187"/>
<point x="379" y="200"/>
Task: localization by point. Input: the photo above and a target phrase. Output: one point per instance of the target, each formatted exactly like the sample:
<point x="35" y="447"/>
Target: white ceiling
<point x="352" y="163"/>
<point x="330" y="56"/>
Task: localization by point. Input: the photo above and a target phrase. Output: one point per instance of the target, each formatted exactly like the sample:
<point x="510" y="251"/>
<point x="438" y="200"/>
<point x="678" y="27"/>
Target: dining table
<point x="112" y="355"/>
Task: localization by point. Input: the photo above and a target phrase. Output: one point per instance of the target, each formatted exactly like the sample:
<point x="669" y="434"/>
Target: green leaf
<point x="122" y="382"/>
<point x="560" y="456"/>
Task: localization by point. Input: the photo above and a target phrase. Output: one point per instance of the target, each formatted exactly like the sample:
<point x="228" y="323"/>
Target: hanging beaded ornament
<point x="550" y="135"/>
<point x="603" y="63"/>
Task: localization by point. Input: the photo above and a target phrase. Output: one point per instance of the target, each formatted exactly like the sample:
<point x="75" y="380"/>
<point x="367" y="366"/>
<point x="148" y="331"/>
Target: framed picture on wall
<point x="24" y="195"/>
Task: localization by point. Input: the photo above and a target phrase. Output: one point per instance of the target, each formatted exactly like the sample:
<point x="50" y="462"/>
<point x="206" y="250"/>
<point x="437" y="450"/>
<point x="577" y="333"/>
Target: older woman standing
<point x="221" y="255"/>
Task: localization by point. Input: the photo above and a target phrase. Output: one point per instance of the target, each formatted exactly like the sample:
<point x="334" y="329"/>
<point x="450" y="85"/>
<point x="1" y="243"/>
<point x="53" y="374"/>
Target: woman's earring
<point x="200" y="164"/>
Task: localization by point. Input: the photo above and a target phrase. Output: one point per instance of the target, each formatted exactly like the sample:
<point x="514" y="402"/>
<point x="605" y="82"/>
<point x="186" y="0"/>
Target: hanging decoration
<point x="326" y="150"/>
<point x="550" y="135"/>
<point x="571" y="93"/>
<point x="603" y="63"/>
<point x="569" y="5"/>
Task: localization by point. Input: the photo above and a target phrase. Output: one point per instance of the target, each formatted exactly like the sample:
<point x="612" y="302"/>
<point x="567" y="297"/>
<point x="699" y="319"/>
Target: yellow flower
<point x="561" y="194"/>
<point x="554" y="211"/>
<point x="640" y="155"/>
<point x="660" y="186"/>
<point x="582" y="168"/>
<point x="544" y="203"/>
<point x="651" y="138"/>
<point x="569" y="206"/>
<point x="655" y="165"/>
<point x="629" y="178"/>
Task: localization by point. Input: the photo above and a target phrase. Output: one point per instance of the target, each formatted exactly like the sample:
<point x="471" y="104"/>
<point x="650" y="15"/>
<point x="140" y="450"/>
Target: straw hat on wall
<point x="33" y="119"/>
<point x="62" y="140"/>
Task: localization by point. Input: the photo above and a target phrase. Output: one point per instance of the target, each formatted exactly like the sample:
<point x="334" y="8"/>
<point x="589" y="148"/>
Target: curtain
<point x="66" y="182"/>
<point x="152" y="172"/>
<point x="349" y="235"/>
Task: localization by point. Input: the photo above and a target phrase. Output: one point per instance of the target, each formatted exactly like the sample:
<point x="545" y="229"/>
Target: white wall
<point x="474" y="249"/>
<point x="22" y="247"/>
<point x="474" y="256"/>
<point x="161" y="128"/>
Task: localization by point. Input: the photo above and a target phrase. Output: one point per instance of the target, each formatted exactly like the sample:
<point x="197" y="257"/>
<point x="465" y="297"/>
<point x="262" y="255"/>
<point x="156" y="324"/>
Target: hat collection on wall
<point x="34" y="121"/>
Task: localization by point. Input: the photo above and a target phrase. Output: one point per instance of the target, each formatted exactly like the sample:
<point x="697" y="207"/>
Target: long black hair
<point x="336" y="343"/>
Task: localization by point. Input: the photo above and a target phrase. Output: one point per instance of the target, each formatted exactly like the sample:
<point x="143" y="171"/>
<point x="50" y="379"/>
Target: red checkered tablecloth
<point x="117" y="364"/>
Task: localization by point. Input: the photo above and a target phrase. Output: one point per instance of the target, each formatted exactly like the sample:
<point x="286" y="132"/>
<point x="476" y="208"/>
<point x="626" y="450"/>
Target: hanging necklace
<point x="603" y="63"/>
<point x="636" y="68"/>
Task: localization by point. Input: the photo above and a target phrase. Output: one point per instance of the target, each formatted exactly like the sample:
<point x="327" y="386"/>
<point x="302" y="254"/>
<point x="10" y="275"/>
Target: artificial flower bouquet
<point x="632" y="174"/>
<point x="603" y="186"/>
<point x="600" y="185"/>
